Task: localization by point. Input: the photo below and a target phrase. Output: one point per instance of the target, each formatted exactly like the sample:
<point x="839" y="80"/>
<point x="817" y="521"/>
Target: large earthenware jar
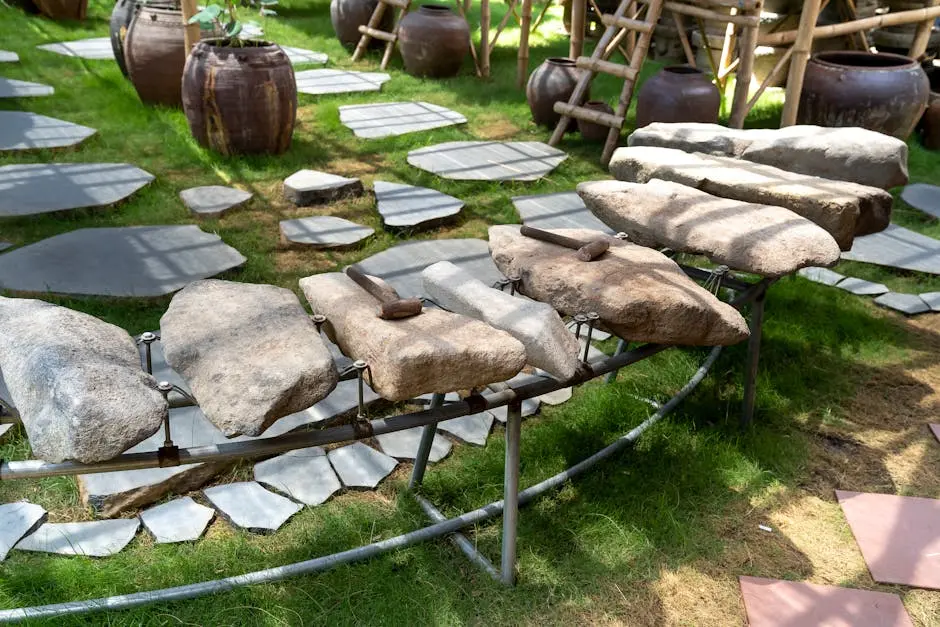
<point x="930" y="123"/>
<point x="677" y="93"/>
<point x="553" y="81"/>
<point x="155" y="55"/>
<point x="433" y="41"/>
<point x="348" y="15"/>
<point x="592" y="131"/>
<point x="881" y="92"/>
<point x="63" y="9"/>
<point x="240" y="99"/>
<point x="121" y="17"/>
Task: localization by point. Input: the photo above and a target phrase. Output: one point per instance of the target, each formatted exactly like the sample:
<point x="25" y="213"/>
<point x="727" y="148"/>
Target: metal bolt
<point x="622" y="236"/>
<point x="148" y="337"/>
<point x="165" y="387"/>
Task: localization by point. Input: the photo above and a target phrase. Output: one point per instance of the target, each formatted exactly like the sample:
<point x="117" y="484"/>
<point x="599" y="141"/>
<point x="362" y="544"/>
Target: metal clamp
<point x="361" y="368"/>
<point x="512" y="282"/>
<point x="623" y="237"/>
<point x="590" y="319"/>
<point x="169" y="453"/>
<point x="714" y="280"/>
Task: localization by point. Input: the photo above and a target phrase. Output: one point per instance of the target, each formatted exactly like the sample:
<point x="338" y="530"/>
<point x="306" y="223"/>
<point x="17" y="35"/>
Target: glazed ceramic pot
<point x="348" y="15"/>
<point x="553" y="81"/>
<point x="881" y="92"/>
<point x="433" y="41"/>
<point x="677" y="93"/>
<point x="592" y="131"/>
<point x="121" y="17"/>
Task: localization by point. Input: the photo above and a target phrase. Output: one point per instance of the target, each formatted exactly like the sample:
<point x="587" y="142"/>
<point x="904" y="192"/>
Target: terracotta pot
<point x="63" y="9"/>
<point x="433" y="41"/>
<point x="348" y="15"/>
<point x="121" y="17"/>
<point x="553" y="81"/>
<point x="677" y="93"/>
<point x="240" y="100"/>
<point x="881" y="92"/>
<point x="591" y="131"/>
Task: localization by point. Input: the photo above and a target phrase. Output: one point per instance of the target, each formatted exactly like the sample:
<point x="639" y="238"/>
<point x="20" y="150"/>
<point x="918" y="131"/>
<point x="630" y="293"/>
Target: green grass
<point x="662" y="505"/>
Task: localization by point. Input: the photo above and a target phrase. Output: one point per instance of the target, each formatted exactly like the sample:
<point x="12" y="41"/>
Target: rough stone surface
<point x="324" y="232"/>
<point x="862" y="287"/>
<point x="33" y="188"/>
<point x="181" y="520"/>
<point x="12" y="88"/>
<point x="435" y="351"/>
<point x="472" y="429"/>
<point x="404" y="444"/>
<point x="302" y="56"/>
<point x="134" y="261"/>
<point x="898" y="247"/>
<point x="844" y="209"/>
<point x="94" y="48"/>
<point x="488" y="160"/>
<point x="909" y="304"/>
<point x="549" y="345"/>
<point x="821" y="275"/>
<point x="932" y="299"/>
<point x="360" y="466"/>
<point x="639" y="293"/>
<point x="844" y="154"/>
<point x="250" y="353"/>
<point x="22" y="130"/>
<point x="310" y="187"/>
<point x="8" y="57"/>
<point x="248" y="505"/>
<point x="561" y="210"/>
<point x="385" y="119"/>
<point x="100" y="538"/>
<point x="406" y="206"/>
<point x="16" y="521"/>
<point x="211" y="201"/>
<point x="319" y="82"/>
<point x="304" y="474"/>
<point x="763" y="239"/>
<point x="342" y="402"/>
<point x="924" y="197"/>
<point x="76" y="382"/>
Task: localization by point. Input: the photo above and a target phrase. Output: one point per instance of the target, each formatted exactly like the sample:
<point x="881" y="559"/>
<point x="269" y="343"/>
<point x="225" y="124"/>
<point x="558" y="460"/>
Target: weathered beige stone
<point x="436" y="351"/>
<point x="639" y="293"/>
<point x="767" y="240"/>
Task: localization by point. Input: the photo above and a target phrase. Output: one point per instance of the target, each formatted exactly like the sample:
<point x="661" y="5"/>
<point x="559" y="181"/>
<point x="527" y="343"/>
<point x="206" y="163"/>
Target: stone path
<point x="862" y="287"/>
<point x="360" y="466"/>
<point x="406" y="206"/>
<point x="22" y="130"/>
<point x="302" y="56"/>
<point x="472" y="429"/>
<point x="924" y="197"/>
<point x="8" y="57"/>
<point x="5" y="245"/>
<point x="488" y="161"/>
<point x="180" y="520"/>
<point x="305" y="475"/>
<point x="825" y="276"/>
<point x="16" y="521"/>
<point x="909" y="304"/>
<point x="99" y="538"/>
<point x="94" y="48"/>
<point x="311" y="187"/>
<point x="384" y="119"/>
<point x="562" y="210"/>
<point x="932" y="299"/>
<point x="319" y="82"/>
<point x="212" y="201"/>
<point x="898" y="247"/>
<point x="404" y="444"/>
<point x="12" y="88"/>
<point x="248" y="505"/>
<point x="323" y="232"/>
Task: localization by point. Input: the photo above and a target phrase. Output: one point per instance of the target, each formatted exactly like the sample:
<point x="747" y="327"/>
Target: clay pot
<point x="121" y="17"/>
<point x="348" y="15"/>
<point x="881" y="92"/>
<point x="240" y="100"/>
<point x="154" y="54"/>
<point x="591" y="131"/>
<point x="553" y="81"/>
<point x="677" y="93"/>
<point x="433" y="41"/>
<point x="930" y="123"/>
<point x="63" y="9"/>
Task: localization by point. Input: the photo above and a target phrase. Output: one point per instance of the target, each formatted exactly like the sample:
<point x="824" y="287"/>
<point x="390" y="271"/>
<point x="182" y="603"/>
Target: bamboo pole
<point x="463" y="8"/>
<point x="724" y="59"/>
<point x="746" y="50"/>
<point x="927" y="14"/>
<point x="373" y="24"/>
<point x="522" y="62"/>
<point x="705" y="14"/>
<point x="922" y="35"/>
<point x="778" y="66"/>
<point x="683" y="38"/>
<point x="503" y="22"/>
<point x="578" y="21"/>
<point x="801" y="51"/>
<point x="190" y="31"/>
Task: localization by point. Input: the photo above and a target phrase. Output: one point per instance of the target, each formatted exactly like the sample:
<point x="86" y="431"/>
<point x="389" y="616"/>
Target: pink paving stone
<point x="899" y="536"/>
<point x="936" y="430"/>
<point x="775" y="603"/>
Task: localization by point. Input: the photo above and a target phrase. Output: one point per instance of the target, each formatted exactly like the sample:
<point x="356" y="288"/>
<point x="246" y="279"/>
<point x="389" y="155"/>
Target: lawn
<point x="655" y="536"/>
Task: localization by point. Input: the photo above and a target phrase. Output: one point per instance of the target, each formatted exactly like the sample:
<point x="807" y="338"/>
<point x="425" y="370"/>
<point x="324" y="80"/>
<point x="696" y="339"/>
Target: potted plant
<point x="239" y="95"/>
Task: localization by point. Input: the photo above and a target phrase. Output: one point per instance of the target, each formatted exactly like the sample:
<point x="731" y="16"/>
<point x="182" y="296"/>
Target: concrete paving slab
<point x="404" y="444"/>
<point x="7" y="56"/>
<point x="212" y="201"/>
<point x="100" y="538"/>
<point x="825" y="276"/>
<point x="488" y="160"/>
<point x="472" y="429"/>
<point x="561" y="210"/>
<point x="862" y="287"/>
<point x="323" y="232"/>
<point x="898" y="247"/>
<point x="311" y="187"/>
<point x="304" y="475"/>
<point x="12" y="88"/>
<point x="302" y="56"/>
<point x="180" y="520"/>
<point x="248" y="505"/>
<point x="932" y="299"/>
<point x="359" y="466"/>
<point x="22" y="130"/>
<point x="16" y="521"/>
<point x="923" y="196"/>
<point x="408" y="207"/>
<point x="320" y="82"/>
<point x="385" y="119"/>
<point x="909" y="304"/>
<point x="95" y="48"/>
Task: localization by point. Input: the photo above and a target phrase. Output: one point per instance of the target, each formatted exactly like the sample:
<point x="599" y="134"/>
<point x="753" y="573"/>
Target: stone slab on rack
<point x="409" y="207"/>
<point x="16" y="521"/>
<point x="212" y="201"/>
<point x="488" y="160"/>
<point x="321" y="82"/>
<point x="304" y="475"/>
<point x="360" y="466"/>
<point x="12" y="88"/>
<point x="180" y="520"/>
<point x="248" y="505"/>
<point x="93" y="48"/>
<point x="323" y="232"/>
<point x="561" y="210"/>
<point x="386" y="119"/>
<point x="22" y="130"/>
<point x="100" y="538"/>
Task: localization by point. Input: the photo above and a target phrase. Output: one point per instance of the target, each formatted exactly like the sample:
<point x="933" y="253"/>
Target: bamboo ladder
<point x="372" y="31"/>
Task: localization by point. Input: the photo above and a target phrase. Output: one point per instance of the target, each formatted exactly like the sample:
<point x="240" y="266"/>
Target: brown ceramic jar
<point x="348" y="15"/>
<point x="433" y="41"/>
<point x="154" y="54"/>
<point x="677" y="93"/>
<point x="931" y="120"/>
<point x="553" y="81"/>
<point x="592" y="131"/>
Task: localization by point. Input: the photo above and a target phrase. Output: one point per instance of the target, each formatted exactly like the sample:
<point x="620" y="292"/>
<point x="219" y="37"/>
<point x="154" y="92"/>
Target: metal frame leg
<point x="756" y="324"/>
<point x="424" y="448"/>
<point x="612" y="375"/>
<point x="511" y="492"/>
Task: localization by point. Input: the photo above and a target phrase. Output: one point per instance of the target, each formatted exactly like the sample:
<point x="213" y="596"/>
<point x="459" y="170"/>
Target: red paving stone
<point x="936" y="430"/>
<point x="899" y="536"/>
<point x="775" y="603"/>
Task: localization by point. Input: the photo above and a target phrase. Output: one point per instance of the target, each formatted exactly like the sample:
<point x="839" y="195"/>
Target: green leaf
<point x="233" y="28"/>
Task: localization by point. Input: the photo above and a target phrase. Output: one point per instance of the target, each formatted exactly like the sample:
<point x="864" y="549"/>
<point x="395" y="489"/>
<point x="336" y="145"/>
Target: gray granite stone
<point x="472" y="429"/>
<point x="100" y="538"/>
<point x="384" y="119"/>
<point x="404" y="444"/>
<point x="821" y="275"/>
<point x="12" y="88"/>
<point x="310" y="187"/>
<point x="932" y="299"/>
<point x="898" y="247"/>
<point x="181" y="520"/>
<point x="862" y="287"/>
<point x="909" y="304"/>
<point x="924" y="197"/>
<point x="302" y="56"/>
<point x="31" y="188"/>
<point x="22" y="130"/>
<point x="8" y="57"/>
<point x="557" y="397"/>
<point x="211" y="201"/>
<point x="16" y="521"/>
<point x="360" y="466"/>
<point x="561" y="210"/>
<point x="407" y="206"/>
<point x="95" y="48"/>
<point x="135" y="261"/>
<point x="324" y="232"/>
<point x="319" y="82"/>
<point x="488" y="160"/>
<point x="248" y="505"/>
<point x="305" y="475"/>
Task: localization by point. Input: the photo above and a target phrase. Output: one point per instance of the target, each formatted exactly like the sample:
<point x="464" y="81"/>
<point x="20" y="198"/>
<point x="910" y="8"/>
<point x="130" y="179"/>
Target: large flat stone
<point x="211" y="201"/>
<point x="249" y="352"/>
<point x="32" y="188"/>
<point x="305" y="475"/>
<point x="385" y="119"/>
<point x="94" y="48"/>
<point x="5" y="245"/>
<point x="436" y="351"/>
<point x="763" y="239"/>
<point x="824" y="276"/>
<point x="472" y="429"/>
<point x="302" y="56"/>
<point x="100" y="538"/>
<point x="561" y="210"/>
<point x="324" y="232"/>
<point x="488" y="160"/>
<point x="16" y="521"/>
<point x="862" y="287"/>
<point x="320" y="82"/>
<point x="924" y="197"/>
<point x="311" y="187"/>
<point x="639" y="293"/>
<point x="909" y="304"/>
<point x="7" y="56"/>
<point x="932" y="299"/>
<point x="898" y="247"/>
<point x="360" y="466"/>
<point x="248" y="505"/>
<point x="12" y="88"/>
<point x="134" y="261"/>
<point x="180" y="520"/>
<point x="404" y="444"/>
<point x="22" y="130"/>
<point x="407" y="207"/>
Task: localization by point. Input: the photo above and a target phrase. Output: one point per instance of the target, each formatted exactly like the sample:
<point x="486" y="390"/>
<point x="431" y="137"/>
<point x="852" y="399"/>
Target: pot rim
<point x="157" y="8"/>
<point x="434" y="8"/>
<point x="682" y="69"/>
<point x="841" y="59"/>
<point x="566" y="61"/>
<point x="254" y="44"/>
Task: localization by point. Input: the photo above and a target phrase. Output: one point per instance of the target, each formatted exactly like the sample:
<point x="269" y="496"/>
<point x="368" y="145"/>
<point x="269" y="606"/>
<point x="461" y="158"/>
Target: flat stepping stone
<point x="181" y="520"/>
<point x="407" y="206"/>
<point x="94" y="48"/>
<point x="898" y="247"/>
<point x="211" y="201"/>
<point x="562" y="210"/>
<point x="899" y="536"/>
<point x="12" y="88"/>
<point x="472" y="429"/>
<point x="775" y="603"/>
<point x="136" y="261"/>
<point x="404" y="444"/>
<point x="320" y="82"/>
<point x="557" y="397"/>
<point x="909" y="304"/>
<point x="932" y="299"/>
<point x="488" y="161"/>
<point x="305" y="475"/>
<point x="825" y="276"/>
<point x="311" y="187"/>
<point x="360" y="466"/>
<point x="17" y="520"/>
<point x="248" y="505"/>
<point x="8" y="57"/>
<point x="936" y="431"/>
<point x="924" y="197"/>
<point x="302" y="56"/>
<point x="5" y="245"/>
<point x="22" y="130"/>
<point x="99" y="538"/>
<point x="33" y="188"/>
<point x="862" y="287"/>
<point x="324" y="232"/>
<point x="384" y="119"/>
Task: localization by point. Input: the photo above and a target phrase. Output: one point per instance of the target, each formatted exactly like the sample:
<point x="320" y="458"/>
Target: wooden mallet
<point x="392" y="307"/>
<point x="587" y="251"/>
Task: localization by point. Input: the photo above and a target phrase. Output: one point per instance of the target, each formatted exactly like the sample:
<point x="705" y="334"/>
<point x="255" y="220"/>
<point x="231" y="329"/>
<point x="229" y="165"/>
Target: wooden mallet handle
<point x="392" y="307"/>
<point x="586" y="251"/>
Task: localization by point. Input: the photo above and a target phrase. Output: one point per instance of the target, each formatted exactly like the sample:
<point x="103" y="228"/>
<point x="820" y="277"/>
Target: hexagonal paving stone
<point x="180" y="520"/>
<point x="304" y="475"/>
<point x="404" y="444"/>
<point x="924" y="197"/>
<point x="248" y="505"/>
<point x="136" y="261"/>
<point x="407" y="206"/>
<point x="909" y="304"/>
<point x="323" y="232"/>
<point x="561" y="210"/>
<point x="99" y="538"/>
<point x="95" y="48"/>
<point x="360" y="466"/>
<point x="384" y="119"/>
<point x="211" y="201"/>
<point x="12" y="88"/>
<point x="897" y="247"/>
<point x="824" y="276"/>
<point x="488" y="161"/>
<point x="319" y="82"/>
<point x="8" y="57"/>
<point x="862" y="287"/>
<point x="16" y="521"/>
<point x="22" y="130"/>
<point x="302" y="56"/>
<point x="472" y="429"/>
